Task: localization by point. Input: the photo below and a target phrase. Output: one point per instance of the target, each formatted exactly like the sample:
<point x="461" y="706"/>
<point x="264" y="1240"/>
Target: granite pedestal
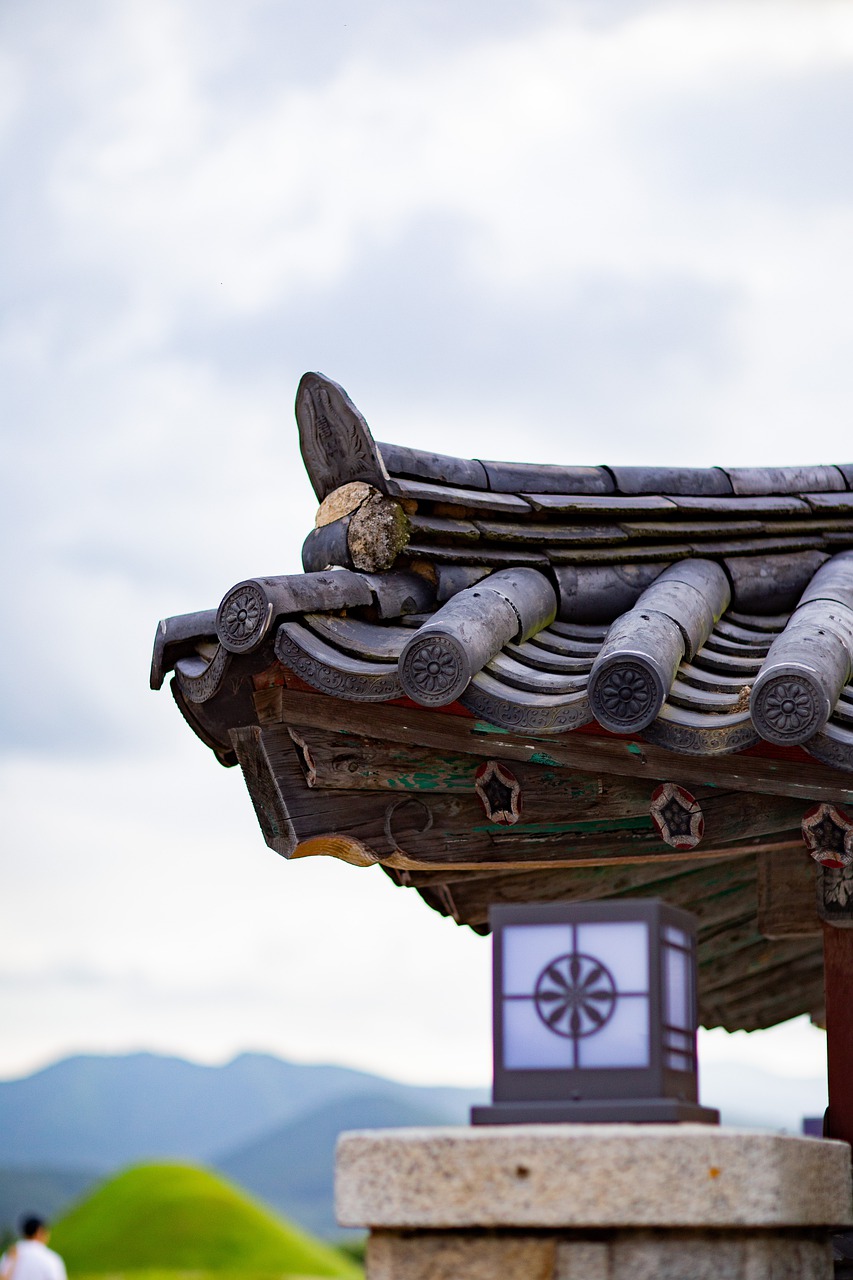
<point x="593" y="1202"/>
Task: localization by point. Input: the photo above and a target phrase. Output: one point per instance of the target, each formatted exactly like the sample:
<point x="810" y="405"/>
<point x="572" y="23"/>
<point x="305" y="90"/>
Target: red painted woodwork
<point x="838" y="979"/>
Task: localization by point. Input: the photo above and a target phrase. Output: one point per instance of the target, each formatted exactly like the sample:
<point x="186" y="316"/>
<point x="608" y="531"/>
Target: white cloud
<point x="553" y="231"/>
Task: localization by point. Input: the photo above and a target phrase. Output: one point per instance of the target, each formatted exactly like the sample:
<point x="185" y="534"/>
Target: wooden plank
<point x="718" y="972"/>
<point x="763" y="1000"/>
<point x="787" y="901"/>
<point x="547" y="794"/>
<point x="722" y="890"/>
<point x="415" y="829"/>
<point x="766" y="775"/>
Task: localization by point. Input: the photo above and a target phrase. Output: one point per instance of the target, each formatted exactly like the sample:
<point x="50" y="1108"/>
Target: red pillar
<point x="838" y="982"/>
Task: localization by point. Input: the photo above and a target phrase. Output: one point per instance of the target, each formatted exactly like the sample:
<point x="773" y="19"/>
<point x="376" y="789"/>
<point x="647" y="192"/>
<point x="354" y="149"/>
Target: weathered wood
<point x="765" y="775"/>
<point x="765" y="999"/>
<point x="548" y="794"/>
<point x="334" y="438"/>
<point x="766" y="957"/>
<point x="262" y="783"/>
<point x="786" y="895"/>
<point x="422" y="829"/>
<point x="838" y="976"/>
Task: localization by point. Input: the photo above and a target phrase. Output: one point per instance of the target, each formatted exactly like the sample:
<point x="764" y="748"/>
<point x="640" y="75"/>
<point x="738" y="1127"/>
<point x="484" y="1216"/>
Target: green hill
<point x="177" y="1218"/>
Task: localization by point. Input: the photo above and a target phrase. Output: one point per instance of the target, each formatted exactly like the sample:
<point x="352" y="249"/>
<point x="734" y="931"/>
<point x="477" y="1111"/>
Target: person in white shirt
<point x="30" y="1258"/>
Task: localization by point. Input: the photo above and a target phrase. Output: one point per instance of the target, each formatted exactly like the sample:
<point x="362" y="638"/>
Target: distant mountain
<point x="104" y="1112"/>
<point x="268" y="1124"/>
<point x="293" y="1168"/>
<point x="178" y="1219"/>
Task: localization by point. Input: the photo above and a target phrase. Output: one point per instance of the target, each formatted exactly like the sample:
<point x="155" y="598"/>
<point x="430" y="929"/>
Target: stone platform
<point x="593" y="1202"/>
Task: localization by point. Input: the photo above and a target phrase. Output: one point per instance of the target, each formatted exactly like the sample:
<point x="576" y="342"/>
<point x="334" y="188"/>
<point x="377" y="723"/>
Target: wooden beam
<point x="838" y="980"/>
<point x="787" y="895"/>
<point x="582" y="751"/>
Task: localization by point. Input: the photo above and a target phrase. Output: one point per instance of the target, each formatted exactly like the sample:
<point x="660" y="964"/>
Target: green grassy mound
<point x="175" y="1218"/>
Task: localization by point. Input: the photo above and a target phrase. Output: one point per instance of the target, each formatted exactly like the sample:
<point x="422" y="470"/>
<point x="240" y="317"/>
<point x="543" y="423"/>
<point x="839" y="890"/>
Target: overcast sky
<point x="566" y="231"/>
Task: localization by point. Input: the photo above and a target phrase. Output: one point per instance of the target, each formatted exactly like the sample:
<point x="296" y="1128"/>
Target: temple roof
<point x="586" y="640"/>
<point x="703" y="609"/>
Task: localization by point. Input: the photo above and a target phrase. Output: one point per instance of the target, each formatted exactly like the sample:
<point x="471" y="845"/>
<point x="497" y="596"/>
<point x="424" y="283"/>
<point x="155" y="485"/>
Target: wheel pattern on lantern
<point x="575" y="995"/>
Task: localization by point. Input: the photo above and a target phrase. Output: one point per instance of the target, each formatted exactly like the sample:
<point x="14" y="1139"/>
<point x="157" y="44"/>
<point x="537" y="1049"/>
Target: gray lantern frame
<point x="655" y="1092"/>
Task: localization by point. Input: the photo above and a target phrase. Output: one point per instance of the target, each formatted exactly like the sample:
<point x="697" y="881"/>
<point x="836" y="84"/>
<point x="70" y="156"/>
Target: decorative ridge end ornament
<point x="335" y="440"/>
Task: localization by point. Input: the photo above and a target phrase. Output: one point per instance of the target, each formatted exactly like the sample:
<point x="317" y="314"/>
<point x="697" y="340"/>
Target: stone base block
<point x="594" y="1202"/>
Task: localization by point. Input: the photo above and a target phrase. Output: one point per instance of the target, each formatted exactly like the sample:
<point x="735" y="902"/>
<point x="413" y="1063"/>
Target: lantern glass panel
<point x="623" y="948"/>
<point x="529" y="1044"/>
<point x="677" y="1001"/>
<point x="527" y="950"/>
<point x="623" y="1041"/>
